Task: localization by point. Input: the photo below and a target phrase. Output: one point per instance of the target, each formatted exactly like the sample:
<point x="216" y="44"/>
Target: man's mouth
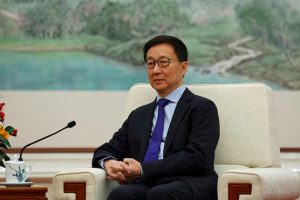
<point x="158" y="80"/>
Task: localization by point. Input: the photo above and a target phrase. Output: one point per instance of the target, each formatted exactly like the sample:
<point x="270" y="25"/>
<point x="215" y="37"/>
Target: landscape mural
<point x="97" y="44"/>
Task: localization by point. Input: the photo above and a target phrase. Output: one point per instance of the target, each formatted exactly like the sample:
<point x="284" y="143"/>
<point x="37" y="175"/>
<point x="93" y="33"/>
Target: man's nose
<point x="156" y="67"/>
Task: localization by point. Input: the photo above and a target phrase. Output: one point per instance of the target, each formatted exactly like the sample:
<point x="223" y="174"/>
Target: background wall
<point x="287" y="118"/>
<point x="99" y="114"/>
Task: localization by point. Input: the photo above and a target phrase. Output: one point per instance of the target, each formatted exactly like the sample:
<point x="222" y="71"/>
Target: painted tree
<point x="9" y="21"/>
<point x="50" y="19"/>
<point x="88" y="11"/>
<point x="271" y="21"/>
<point x="160" y="17"/>
<point x="137" y="19"/>
<point x="206" y="11"/>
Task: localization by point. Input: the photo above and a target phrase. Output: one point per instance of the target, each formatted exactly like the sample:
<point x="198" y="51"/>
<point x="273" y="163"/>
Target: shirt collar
<point x="175" y="95"/>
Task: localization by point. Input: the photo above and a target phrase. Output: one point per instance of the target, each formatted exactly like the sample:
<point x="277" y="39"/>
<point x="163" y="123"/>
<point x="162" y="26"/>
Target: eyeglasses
<point x="162" y="63"/>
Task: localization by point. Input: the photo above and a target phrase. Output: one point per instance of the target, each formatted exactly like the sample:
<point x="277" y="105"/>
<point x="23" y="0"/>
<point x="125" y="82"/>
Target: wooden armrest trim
<point x="235" y="189"/>
<point x="79" y="188"/>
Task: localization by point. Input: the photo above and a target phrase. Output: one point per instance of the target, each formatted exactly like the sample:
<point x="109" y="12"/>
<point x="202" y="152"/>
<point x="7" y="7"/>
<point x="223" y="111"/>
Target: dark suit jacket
<point x="189" y="149"/>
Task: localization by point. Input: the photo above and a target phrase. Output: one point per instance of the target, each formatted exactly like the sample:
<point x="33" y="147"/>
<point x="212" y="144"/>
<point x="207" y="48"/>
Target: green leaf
<point x="9" y="129"/>
<point x="3" y="145"/>
<point x="2" y="164"/>
<point x="5" y="141"/>
<point x="3" y="154"/>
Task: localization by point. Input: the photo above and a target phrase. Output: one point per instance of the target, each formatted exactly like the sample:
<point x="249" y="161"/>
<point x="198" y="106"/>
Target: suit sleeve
<point x="201" y="123"/>
<point x="117" y="147"/>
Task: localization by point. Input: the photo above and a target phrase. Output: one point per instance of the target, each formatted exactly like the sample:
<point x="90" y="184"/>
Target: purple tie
<point x="154" y="145"/>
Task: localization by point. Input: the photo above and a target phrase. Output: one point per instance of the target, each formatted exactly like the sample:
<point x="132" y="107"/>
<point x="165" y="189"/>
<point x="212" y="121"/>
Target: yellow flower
<point x="4" y="133"/>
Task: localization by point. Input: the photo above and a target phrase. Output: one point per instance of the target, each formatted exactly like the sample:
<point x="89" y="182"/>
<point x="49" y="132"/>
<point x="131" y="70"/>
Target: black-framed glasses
<point x="162" y="63"/>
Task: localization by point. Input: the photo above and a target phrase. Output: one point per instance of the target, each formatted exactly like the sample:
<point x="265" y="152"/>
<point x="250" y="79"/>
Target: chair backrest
<point x="247" y="135"/>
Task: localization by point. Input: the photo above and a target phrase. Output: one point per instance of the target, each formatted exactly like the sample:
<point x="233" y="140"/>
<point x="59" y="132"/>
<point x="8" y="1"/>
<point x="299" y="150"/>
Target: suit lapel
<point x="180" y="110"/>
<point x="148" y="118"/>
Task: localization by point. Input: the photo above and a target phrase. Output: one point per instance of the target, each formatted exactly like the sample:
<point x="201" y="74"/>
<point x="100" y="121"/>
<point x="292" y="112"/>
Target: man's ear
<point x="185" y="66"/>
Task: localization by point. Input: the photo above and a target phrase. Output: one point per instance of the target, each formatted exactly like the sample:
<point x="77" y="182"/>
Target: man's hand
<point x="115" y="170"/>
<point x="132" y="169"/>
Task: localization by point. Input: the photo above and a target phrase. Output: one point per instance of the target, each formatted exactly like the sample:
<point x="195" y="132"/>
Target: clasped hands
<point x="123" y="171"/>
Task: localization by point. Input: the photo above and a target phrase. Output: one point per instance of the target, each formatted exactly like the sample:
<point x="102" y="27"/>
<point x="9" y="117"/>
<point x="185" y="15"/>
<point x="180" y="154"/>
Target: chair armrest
<point x="265" y="183"/>
<point x="81" y="184"/>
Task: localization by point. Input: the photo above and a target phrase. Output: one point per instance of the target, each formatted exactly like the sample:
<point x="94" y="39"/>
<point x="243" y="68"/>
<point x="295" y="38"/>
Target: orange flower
<point x="4" y="133"/>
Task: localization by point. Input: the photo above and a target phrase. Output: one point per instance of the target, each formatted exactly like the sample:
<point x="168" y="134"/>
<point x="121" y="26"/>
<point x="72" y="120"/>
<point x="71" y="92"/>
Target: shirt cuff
<point x="101" y="162"/>
<point x="142" y="173"/>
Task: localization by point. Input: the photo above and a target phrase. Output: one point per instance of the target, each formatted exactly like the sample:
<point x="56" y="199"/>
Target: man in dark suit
<point x="165" y="149"/>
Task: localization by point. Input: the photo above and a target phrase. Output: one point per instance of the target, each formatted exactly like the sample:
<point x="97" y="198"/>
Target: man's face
<point x="165" y="80"/>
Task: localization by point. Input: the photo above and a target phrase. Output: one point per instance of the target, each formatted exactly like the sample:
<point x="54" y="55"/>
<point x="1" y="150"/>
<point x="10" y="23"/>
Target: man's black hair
<point x="178" y="46"/>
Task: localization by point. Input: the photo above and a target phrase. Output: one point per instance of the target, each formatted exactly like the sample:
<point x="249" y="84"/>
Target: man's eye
<point x="164" y="62"/>
<point x="150" y="63"/>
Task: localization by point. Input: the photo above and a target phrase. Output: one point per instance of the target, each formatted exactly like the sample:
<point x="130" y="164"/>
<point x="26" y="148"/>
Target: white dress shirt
<point x="169" y="111"/>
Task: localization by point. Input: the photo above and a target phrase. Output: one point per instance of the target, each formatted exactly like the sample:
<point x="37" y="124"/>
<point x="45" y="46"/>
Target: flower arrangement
<point x="5" y="132"/>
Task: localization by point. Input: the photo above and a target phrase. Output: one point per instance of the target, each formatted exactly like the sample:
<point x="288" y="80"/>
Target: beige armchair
<point x="247" y="156"/>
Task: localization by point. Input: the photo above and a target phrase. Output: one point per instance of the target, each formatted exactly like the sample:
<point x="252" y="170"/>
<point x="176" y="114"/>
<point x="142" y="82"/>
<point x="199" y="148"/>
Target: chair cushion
<point x="220" y="169"/>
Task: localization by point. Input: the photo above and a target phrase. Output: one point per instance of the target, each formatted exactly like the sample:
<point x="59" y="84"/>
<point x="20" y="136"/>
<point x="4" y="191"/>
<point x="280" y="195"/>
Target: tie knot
<point x="163" y="102"/>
